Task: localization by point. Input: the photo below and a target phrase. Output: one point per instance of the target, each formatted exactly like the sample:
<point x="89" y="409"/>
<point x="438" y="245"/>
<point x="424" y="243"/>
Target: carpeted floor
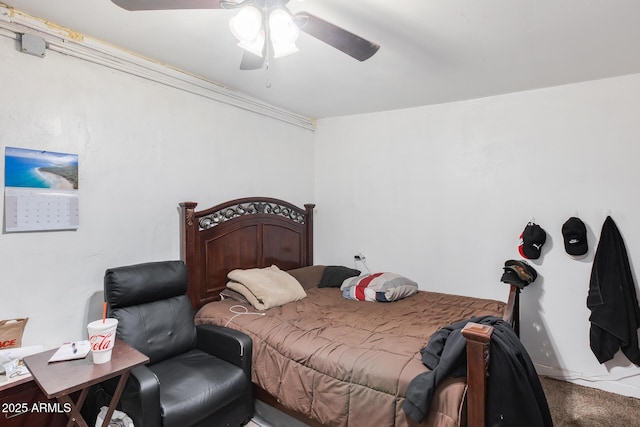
<point x="574" y="405"/>
<point x="571" y="405"/>
<point x="267" y="416"/>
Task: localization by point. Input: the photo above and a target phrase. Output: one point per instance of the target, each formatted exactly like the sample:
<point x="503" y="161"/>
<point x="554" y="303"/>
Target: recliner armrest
<point x="141" y="398"/>
<point x="228" y="344"/>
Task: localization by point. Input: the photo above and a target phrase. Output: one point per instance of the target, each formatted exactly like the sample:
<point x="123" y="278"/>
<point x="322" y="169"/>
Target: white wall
<point x="438" y="193"/>
<point x="441" y="194"/>
<point x="143" y="148"/>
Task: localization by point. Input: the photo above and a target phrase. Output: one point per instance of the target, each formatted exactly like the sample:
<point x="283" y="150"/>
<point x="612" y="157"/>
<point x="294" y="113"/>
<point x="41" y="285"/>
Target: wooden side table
<point x="60" y="379"/>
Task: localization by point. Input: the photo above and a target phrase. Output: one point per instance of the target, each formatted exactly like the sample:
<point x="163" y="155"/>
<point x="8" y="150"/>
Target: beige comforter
<point x="348" y="363"/>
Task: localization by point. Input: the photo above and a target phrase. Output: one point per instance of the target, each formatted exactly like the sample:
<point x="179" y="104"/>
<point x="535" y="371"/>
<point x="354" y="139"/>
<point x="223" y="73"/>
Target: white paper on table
<point x="71" y="351"/>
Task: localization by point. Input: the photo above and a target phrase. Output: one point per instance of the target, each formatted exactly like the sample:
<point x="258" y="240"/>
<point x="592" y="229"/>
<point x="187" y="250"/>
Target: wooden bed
<point x="259" y="232"/>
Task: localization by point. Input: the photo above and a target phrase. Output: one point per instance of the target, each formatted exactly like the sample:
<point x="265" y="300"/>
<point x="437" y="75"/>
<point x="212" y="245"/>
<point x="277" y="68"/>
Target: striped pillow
<point x="384" y="287"/>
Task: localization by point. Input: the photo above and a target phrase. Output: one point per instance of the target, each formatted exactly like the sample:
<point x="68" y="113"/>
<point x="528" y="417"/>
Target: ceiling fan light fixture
<point x="282" y="29"/>
<point x="267" y="28"/>
<point x="255" y="46"/>
<point x="246" y="25"/>
<point x="283" y="33"/>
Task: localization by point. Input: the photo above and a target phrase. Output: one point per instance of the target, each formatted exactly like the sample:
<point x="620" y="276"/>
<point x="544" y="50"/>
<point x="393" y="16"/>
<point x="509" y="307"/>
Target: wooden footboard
<point x="478" y="352"/>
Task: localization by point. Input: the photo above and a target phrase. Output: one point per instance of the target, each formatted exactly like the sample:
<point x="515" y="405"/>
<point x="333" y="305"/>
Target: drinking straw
<point x="104" y="311"/>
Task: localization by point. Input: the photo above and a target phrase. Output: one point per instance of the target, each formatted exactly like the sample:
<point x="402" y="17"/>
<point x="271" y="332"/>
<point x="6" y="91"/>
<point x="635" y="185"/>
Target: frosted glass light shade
<point x="283" y="33"/>
<point x="282" y="29"/>
<point x="246" y="25"/>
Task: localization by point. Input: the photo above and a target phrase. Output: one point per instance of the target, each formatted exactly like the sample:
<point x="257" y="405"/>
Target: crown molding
<point x="14" y="23"/>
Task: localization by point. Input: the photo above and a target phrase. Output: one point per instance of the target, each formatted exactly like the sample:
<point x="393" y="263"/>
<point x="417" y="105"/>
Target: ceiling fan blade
<point x="251" y="61"/>
<point x="169" y="4"/>
<point x="343" y="40"/>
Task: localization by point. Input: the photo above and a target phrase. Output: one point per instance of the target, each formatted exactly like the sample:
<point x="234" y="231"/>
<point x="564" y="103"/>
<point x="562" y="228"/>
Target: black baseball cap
<point x="531" y="240"/>
<point x="574" y="233"/>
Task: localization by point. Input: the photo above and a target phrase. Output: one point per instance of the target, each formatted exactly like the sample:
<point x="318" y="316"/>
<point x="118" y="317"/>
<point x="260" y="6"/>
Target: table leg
<point x="75" y="417"/>
<point x="115" y="398"/>
<point x="83" y="396"/>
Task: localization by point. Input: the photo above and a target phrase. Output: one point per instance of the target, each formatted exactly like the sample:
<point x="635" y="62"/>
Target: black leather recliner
<point x="197" y="375"/>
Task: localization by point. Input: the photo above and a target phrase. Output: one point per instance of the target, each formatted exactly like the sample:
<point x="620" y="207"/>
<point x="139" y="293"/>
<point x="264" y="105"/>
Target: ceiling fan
<point x="266" y="28"/>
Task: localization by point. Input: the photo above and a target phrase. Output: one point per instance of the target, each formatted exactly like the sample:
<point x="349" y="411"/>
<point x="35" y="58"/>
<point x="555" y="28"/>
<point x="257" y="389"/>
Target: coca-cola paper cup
<point x="102" y="336"/>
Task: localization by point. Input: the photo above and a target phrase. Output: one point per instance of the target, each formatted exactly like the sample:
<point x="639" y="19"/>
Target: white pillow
<point x="383" y="287"/>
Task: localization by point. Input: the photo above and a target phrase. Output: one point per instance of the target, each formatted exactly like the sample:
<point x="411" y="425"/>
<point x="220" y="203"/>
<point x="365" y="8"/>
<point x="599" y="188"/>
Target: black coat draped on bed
<point x="514" y="394"/>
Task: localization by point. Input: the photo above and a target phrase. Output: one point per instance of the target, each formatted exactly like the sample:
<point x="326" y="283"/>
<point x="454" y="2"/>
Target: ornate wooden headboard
<point x="252" y="232"/>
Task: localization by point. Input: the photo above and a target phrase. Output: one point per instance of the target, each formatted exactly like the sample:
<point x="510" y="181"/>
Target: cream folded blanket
<point x="266" y="287"/>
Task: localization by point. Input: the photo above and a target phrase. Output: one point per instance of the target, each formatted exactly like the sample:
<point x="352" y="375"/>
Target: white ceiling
<point x="432" y="51"/>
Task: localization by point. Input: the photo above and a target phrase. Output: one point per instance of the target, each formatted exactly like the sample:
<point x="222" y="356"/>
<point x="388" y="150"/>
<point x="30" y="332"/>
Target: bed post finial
<point x="188" y="209"/>
<point x="478" y="341"/>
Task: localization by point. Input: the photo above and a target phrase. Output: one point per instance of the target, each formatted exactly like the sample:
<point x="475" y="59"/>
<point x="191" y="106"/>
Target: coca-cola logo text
<point x="101" y="341"/>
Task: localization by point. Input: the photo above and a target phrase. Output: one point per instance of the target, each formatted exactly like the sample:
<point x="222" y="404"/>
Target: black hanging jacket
<point x="615" y="315"/>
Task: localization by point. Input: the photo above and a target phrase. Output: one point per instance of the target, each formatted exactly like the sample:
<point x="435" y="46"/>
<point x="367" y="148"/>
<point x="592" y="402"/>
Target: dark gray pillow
<point x="309" y="277"/>
<point x="334" y="275"/>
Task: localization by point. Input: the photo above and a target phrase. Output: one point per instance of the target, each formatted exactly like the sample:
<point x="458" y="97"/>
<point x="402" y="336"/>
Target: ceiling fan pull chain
<point x="267" y="44"/>
<point x="267" y="83"/>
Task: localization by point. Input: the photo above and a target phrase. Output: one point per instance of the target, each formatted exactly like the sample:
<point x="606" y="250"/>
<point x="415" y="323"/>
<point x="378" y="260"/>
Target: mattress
<point x="348" y="363"/>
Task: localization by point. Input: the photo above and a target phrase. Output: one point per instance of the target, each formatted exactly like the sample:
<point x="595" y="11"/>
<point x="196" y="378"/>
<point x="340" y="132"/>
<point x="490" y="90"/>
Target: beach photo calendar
<point x="41" y="190"/>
